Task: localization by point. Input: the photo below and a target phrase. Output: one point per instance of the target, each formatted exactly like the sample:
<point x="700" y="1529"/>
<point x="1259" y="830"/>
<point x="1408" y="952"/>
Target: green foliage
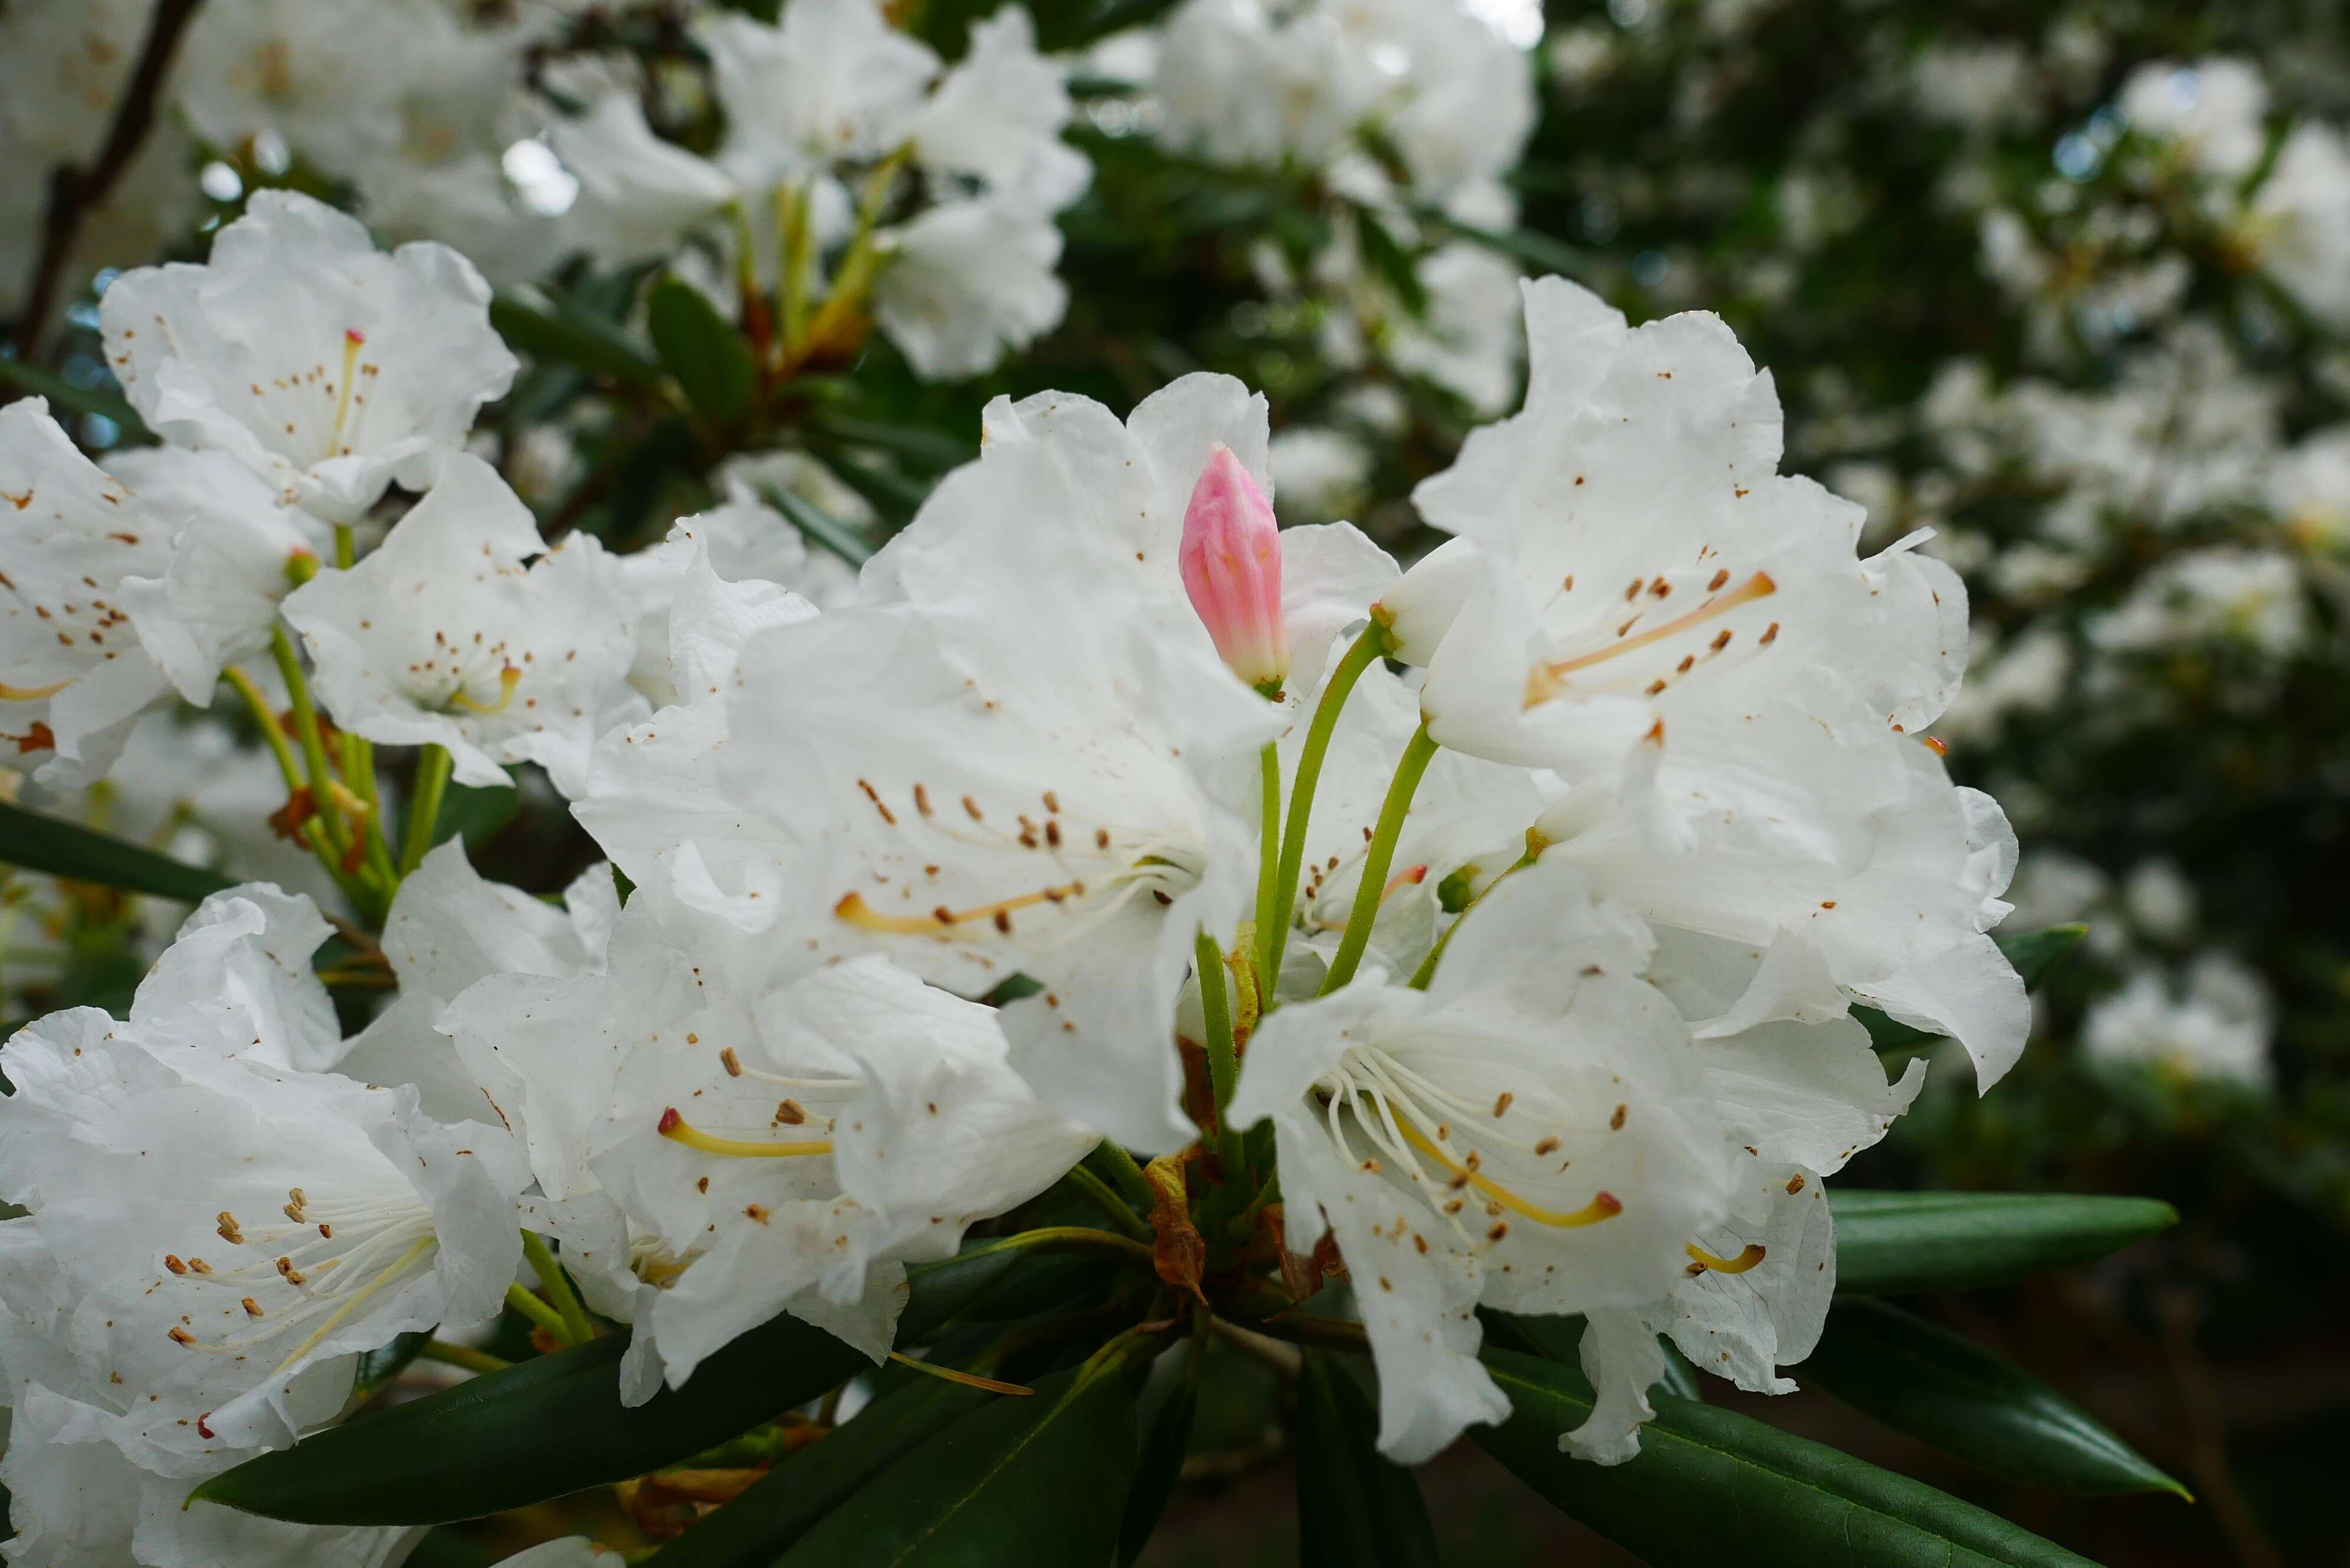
<point x="1895" y="1243"/>
<point x="702" y="351"/>
<point x="1354" y="1510"/>
<point x="42" y="843"/>
<point x="1945" y="1389"/>
<point x="1710" y="1484"/>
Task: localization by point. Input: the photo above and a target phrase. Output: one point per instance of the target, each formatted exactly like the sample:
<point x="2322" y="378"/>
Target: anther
<point x="1502" y="1104"/>
<point x="790" y="1113"/>
<point x="228" y="1229"/>
<point x="251" y="1307"/>
<point x="731" y="1061"/>
<point x="174" y="1264"/>
<point x="1547" y="1146"/>
<point x="179" y="1336"/>
<point x="1759" y="586"/>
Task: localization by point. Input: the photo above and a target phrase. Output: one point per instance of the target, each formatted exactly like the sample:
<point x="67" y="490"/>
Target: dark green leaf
<point x="820" y="525"/>
<point x="1945" y="1389"/>
<point x="1354" y="1510"/>
<point x="1886" y="1034"/>
<point x="992" y="1281"/>
<point x="1539" y="252"/>
<point x="931" y="449"/>
<point x="41" y="842"/>
<point x="378" y="1367"/>
<point x="755" y="1528"/>
<point x="553" y="327"/>
<point x="549" y="1425"/>
<point x="1711" y="1485"/>
<point x="475" y="813"/>
<point x="702" y="351"/>
<point x="2034" y="953"/>
<point x="1386" y="258"/>
<point x="1164" y="1445"/>
<point x="1891" y="1242"/>
<point x="105" y="404"/>
<point x="1039" y="1481"/>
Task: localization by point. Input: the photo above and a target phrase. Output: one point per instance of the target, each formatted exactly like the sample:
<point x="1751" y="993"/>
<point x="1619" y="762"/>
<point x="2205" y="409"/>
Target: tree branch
<point x="74" y="191"/>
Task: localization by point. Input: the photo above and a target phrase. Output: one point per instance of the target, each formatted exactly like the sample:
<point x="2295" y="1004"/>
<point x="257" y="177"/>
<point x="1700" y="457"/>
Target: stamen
<point x="353" y="340"/>
<point x="854" y="909"/>
<point x="677" y="1129"/>
<point x="1603" y="1205"/>
<point x="1704" y="1259"/>
<point x="508" y="678"/>
<point x="1757" y="587"/>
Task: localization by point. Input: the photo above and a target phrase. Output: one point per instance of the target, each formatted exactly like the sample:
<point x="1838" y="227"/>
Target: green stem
<point x="1107" y="1200"/>
<point x="1359" y="657"/>
<point x="1223" y="1060"/>
<point x="798" y="244"/>
<point x="1125" y="1173"/>
<point x="424" y="811"/>
<point x="463" y="1355"/>
<point x="306" y="730"/>
<point x="1417" y="754"/>
<point x="1269" y="920"/>
<point x="1427" y="969"/>
<point x="272" y="730"/>
<point x="539" y="1313"/>
<point x="559" y="1288"/>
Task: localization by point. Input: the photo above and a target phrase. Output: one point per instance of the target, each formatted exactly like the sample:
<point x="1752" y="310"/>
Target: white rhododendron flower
<point x="73" y="674"/>
<point x="328" y="367"/>
<point x="464" y="630"/>
<point x="784" y="1151"/>
<point x="830" y="80"/>
<point x="967" y="281"/>
<point x="997" y="117"/>
<point x="232" y="1227"/>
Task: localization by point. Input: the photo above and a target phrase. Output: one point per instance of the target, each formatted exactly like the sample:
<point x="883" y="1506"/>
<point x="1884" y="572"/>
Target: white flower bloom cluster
<point x="1394" y="106"/>
<point x="1522" y="898"/>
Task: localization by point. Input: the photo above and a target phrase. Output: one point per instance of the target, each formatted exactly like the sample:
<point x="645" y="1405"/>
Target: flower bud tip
<point x="1231" y="561"/>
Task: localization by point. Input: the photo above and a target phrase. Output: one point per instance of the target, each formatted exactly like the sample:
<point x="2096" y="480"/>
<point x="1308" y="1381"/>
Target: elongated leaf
<point x="2034" y="953"/>
<point x="551" y="326"/>
<point x="1039" y="1482"/>
<point x="757" y="1527"/>
<point x="42" y="843"/>
<point x="1892" y="1242"/>
<point x="378" y="1367"/>
<point x="547" y="1427"/>
<point x="1354" y="1510"/>
<point x="1945" y="1389"/>
<point x="1539" y="252"/>
<point x="107" y="405"/>
<point x="820" y="525"/>
<point x="709" y="359"/>
<point x="1710" y="1486"/>
<point x="932" y="448"/>
<point x="1164" y="1444"/>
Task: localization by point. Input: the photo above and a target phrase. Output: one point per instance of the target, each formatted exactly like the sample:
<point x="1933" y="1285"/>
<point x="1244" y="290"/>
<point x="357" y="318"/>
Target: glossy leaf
<point x="702" y="351"/>
<point x="1711" y="1485"/>
<point x="379" y="1366"/>
<point x="1164" y="1444"/>
<point x="1944" y="1389"/>
<point x="758" y="1526"/>
<point x="548" y="325"/>
<point x="549" y="1425"/>
<point x="1354" y="1510"/>
<point x="1888" y="1243"/>
<point x="2034" y="953"/>
<point x="1038" y="1481"/>
<point x="39" y="842"/>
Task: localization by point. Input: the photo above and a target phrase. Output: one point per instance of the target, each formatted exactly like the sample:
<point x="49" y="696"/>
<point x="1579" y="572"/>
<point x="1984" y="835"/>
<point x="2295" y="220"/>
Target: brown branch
<point x="74" y="191"/>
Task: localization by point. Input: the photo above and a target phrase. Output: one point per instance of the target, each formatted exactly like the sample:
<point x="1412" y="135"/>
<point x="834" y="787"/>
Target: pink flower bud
<point x="1232" y="569"/>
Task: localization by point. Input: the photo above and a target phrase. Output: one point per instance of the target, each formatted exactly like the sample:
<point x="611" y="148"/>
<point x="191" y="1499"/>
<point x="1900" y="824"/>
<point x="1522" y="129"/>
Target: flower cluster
<point x="1064" y="821"/>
